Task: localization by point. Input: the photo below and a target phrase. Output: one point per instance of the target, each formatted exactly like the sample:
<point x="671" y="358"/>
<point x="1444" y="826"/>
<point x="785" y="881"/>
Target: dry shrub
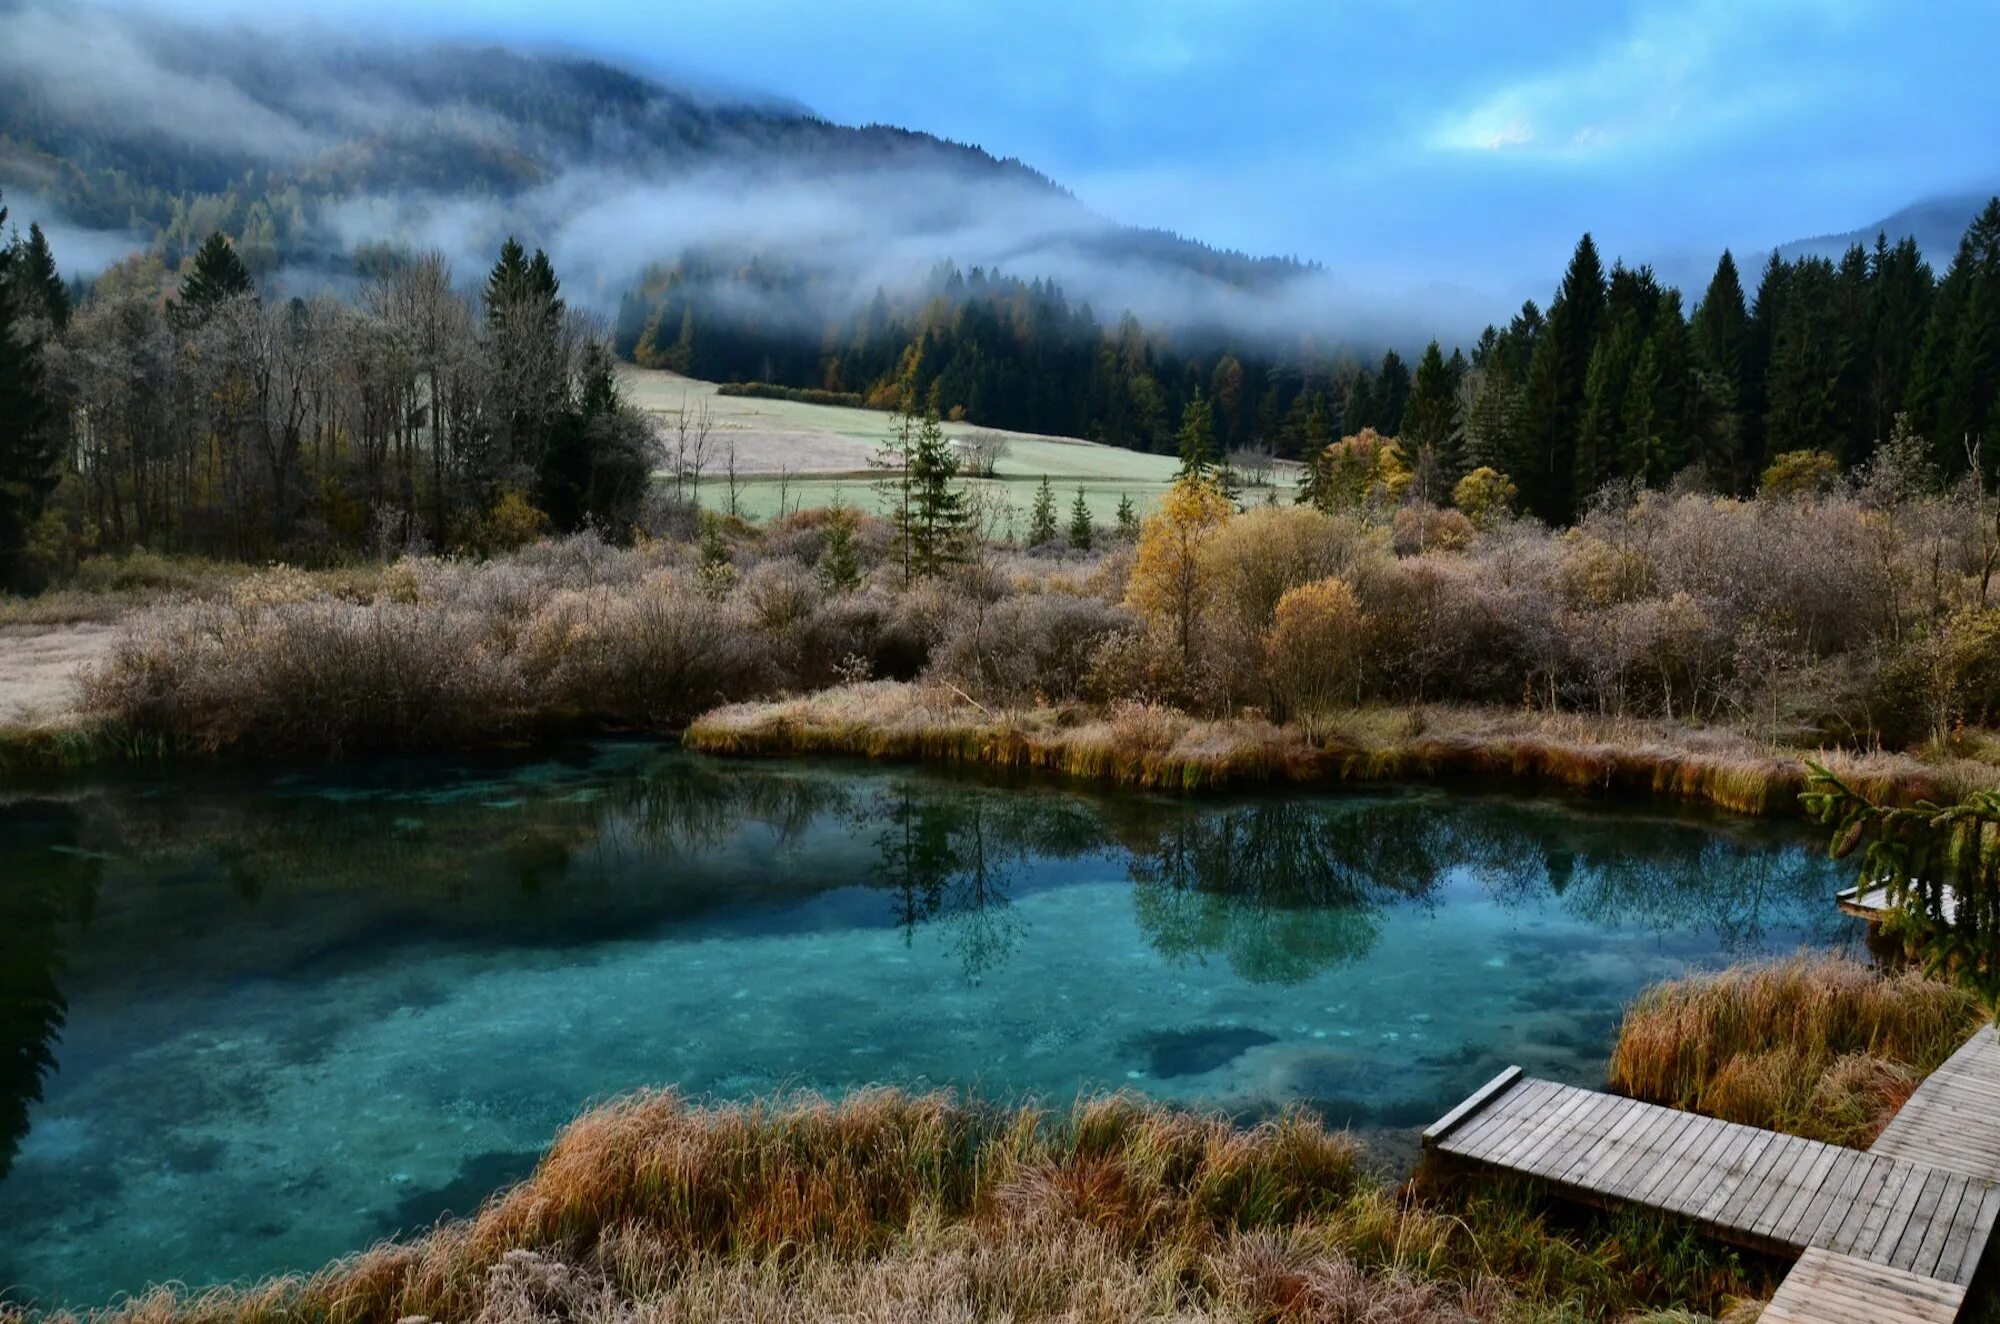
<point x="320" y="675"/>
<point x="655" y="656"/>
<point x="1825" y="1047"/>
<point x="1037" y="646"/>
<point x="1415" y="530"/>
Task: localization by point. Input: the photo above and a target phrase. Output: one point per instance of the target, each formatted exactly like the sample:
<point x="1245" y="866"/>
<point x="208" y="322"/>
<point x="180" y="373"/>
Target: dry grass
<point x="896" y="1207"/>
<point x="1824" y="1047"/>
<point x="1160" y="747"/>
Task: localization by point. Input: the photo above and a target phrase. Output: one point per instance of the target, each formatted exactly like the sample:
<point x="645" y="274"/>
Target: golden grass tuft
<point x="1819" y="1046"/>
<point x="890" y="1206"/>
<point x="1151" y="746"/>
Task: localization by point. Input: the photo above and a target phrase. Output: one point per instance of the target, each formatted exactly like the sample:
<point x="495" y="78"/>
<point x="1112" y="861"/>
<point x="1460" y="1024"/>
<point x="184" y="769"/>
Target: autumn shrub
<point x="1416" y="529"/>
<point x="322" y="676"/>
<point x="1027" y="647"/>
<point x="655" y="656"/>
<point x="1314" y="652"/>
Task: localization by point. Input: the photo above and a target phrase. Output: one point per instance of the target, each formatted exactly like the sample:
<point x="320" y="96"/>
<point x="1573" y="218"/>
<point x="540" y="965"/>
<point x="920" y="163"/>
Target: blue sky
<point x="1398" y="142"/>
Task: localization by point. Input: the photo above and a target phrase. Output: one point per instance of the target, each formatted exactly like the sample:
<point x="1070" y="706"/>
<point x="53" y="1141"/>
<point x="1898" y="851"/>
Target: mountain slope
<point x="308" y="145"/>
<point x="1937" y="225"/>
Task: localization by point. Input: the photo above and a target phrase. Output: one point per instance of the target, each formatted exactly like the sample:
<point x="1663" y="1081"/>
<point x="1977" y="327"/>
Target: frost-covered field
<point x="819" y="454"/>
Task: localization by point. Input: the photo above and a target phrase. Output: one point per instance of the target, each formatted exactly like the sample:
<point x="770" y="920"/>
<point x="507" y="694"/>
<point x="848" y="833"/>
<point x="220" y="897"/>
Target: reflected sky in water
<point x="250" y="1022"/>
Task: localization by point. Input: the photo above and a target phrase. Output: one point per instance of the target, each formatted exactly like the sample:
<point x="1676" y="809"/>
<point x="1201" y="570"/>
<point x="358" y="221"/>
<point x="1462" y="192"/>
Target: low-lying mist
<point x="438" y="145"/>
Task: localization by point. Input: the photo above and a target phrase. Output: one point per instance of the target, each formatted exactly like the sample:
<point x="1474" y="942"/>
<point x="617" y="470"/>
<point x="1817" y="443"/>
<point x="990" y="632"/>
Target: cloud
<point x="1675" y="74"/>
<point x="90" y="70"/>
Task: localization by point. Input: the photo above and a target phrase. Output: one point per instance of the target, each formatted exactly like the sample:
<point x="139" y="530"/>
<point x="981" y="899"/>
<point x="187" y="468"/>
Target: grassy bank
<point x="894" y="1207"/>
<point x="1826" y="1048"/>
<point x="1158" y="747"/>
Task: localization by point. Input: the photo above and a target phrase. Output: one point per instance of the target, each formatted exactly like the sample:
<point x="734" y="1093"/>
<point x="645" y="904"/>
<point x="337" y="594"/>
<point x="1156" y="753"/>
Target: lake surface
<point x="249" y="1023"/>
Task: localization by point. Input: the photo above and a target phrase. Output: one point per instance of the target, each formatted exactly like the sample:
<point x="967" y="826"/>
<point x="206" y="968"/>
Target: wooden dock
<point x="1872" y="903"/>
<point x="1895" y="1232"/>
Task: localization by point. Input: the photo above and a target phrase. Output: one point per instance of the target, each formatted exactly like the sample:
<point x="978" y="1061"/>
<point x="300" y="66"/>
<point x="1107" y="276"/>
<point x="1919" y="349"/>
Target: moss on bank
<point x="1160" y="748"/>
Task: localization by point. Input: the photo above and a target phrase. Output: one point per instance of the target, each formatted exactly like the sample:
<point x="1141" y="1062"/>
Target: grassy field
<point x="815" y="455"/>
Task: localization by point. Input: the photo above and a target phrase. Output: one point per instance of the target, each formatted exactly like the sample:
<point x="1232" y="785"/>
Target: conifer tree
<point x="28" y="452"/>
<point x="1391" y="394"/>
<point x="508" y="281"/>
<point x="1197" y="438"/>
<point x="1080" y="528"/>
<point x="1042" y="516"/>
<point x="839" y="563"/>
<point x="936" y="524"/>
<point x="217" y="276"/>
<point x="1431" y="422"/>
<point x="1128" y="517"/>
<point x="39" y="277"/>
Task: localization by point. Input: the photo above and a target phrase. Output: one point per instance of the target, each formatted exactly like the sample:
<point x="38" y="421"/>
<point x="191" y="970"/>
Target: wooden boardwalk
<point x="1872" y="903"/>
<point x="1893" y="1232"/>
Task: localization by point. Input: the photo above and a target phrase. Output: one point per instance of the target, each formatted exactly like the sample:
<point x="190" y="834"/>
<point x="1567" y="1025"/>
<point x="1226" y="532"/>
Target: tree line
<point x="1617" y="379"/>
<point x="219" y="422"/>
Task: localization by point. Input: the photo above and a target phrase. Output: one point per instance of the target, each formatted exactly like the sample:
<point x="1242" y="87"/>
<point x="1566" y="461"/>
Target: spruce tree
<point x="1599" y="426"/>
<point x="839" y="564"/>
<point x="1431" y="422"/>
<point x="1899" y="314"/>
<point x="508" y="281"/>
<point x="1197" y="438"/>
<point x="1128" y="518"/>
<point x="28" y="453"/>
<point x="937" y="525"/>
<point x="39" y="278"/>
<point x="1391" y="394"/>
<point x="1553" y="399"/>
<point x="216" y="277"/>
<point x="1042" y="518"/>
<point x="1080" y="528"/>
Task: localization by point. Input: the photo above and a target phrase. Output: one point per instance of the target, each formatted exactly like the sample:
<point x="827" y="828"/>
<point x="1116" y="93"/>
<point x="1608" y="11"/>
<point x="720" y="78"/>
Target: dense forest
<point x="1616" y="380"/>
<point x="224" y="423"/>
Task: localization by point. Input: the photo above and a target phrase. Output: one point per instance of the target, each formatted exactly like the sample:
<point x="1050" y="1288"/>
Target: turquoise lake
<point x="249" y="1022"/>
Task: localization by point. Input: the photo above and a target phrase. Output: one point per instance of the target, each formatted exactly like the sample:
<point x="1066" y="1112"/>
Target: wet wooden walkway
<point x="1873" y="904"/>
<point x="1895" y="1232"/>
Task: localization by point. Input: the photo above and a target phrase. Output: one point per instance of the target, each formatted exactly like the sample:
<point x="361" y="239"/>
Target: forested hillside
<point x="1618" y="379"/>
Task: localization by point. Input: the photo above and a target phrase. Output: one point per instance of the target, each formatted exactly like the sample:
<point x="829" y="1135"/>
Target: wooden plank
<point x="1784" y="1166"/>
<point x="1501" y="1123"/>
<point x="1779" y="1220"/>
<point x="1883" y="1209"/>
<point x="1748" y="1170"/>
<point x="1924" y="1261"/>
<point x="1625" y="1137"/>
<point x="1555" y="1114"/>
<point x="1836" y="1197"/>
<point x="1894" y="1233"/>
<point x="1497" y="1120"/>
<point x="1903" y="1252"/>
<point x="1828" y="1288"/>
<point x="1966" y="1245"/>
<point x="1577" y="1129"/>
<point x="1479" y="1098"/>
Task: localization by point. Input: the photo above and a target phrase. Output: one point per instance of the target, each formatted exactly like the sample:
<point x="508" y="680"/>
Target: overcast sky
<point x="1398" y="141"/>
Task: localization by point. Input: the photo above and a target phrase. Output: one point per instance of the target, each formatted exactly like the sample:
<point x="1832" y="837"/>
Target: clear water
<point x="249" y="1024"/>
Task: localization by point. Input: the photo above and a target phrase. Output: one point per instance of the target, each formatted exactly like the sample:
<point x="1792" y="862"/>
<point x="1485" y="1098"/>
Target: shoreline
<point x="1146" y="748"/>
<point x="1156" y="749"/>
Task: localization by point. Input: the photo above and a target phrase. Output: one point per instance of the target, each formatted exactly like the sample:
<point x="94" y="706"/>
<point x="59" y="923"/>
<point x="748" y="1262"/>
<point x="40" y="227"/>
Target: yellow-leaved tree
<point x="1171" y="577"/>
<point x="1314" y="650"/>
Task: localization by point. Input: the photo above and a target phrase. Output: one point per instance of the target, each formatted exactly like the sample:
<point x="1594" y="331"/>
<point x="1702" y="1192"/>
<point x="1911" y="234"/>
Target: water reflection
<point x="338" y="1002"/>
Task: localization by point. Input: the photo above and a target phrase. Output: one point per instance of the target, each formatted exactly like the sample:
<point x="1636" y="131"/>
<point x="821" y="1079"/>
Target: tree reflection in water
<point x="615" y="841"/>
<point x="45" y="879"/>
